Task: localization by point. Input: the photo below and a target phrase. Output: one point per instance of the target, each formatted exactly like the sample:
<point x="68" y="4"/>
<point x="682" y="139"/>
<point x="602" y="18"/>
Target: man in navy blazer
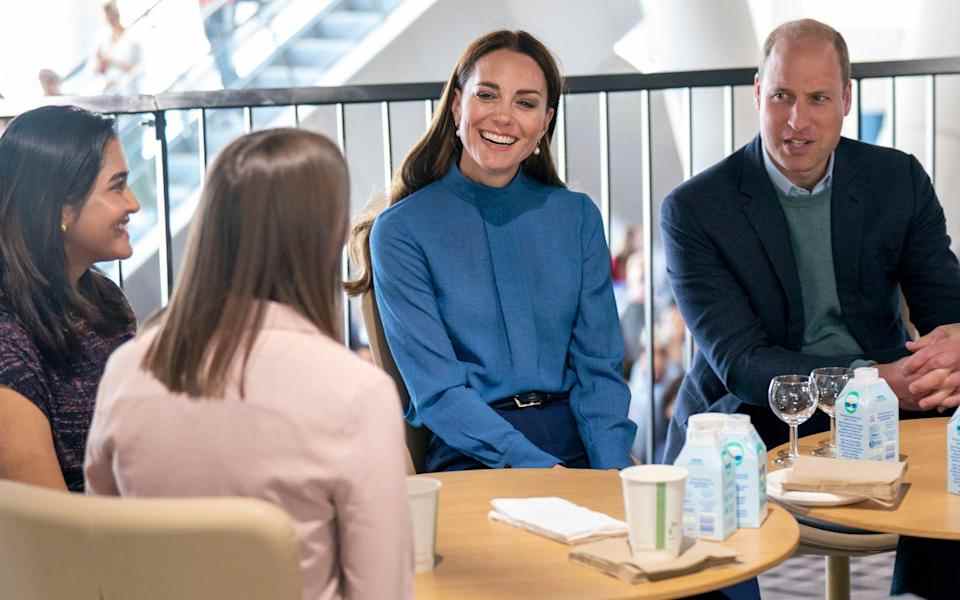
<point x="792" y="253"/>
<point x="740" y="246"/>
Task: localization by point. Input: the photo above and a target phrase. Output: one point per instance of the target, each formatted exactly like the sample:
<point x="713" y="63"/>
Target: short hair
<point x="809" y="29"/>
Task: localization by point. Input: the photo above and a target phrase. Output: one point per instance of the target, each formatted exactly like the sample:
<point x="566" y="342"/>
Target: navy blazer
<point x="733" y="272"/>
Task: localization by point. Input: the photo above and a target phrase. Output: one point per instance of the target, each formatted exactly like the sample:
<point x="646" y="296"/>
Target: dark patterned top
<point x="65" y="396"/>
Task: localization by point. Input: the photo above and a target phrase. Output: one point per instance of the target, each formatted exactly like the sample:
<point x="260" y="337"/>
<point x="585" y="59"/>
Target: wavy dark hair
<point x="271" y="226"/>
<point x="439" y="148"/>
<point x="50" y="158"/>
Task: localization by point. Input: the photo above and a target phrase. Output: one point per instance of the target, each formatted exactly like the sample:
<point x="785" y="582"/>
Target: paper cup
<point x="423" y="495"/>
<point x="653" y="498"/>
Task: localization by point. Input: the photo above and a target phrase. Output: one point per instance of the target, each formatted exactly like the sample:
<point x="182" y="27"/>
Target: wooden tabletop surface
<point x="483" y="559"/>
<point x="925" y="508"/>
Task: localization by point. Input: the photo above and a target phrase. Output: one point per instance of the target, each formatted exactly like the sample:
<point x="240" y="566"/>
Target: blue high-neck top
<point x="486" y="292"/>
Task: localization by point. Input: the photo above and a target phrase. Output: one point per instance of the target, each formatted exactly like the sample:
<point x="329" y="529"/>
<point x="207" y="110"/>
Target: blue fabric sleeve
<point x="436" y="380"/>
<point x="600" y="399"/>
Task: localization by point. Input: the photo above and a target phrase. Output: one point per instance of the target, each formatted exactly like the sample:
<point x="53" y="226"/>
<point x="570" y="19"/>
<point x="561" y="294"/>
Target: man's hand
<point x="933" y="372"/>
<point x="893" y="374"/>
<point x="939" y="334"/>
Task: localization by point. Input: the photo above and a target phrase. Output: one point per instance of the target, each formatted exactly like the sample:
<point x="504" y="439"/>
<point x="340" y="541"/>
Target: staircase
<point x="293" y="42"/>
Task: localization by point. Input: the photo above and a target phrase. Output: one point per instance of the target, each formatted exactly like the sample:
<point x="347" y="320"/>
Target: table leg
<point x="838" y="577"/>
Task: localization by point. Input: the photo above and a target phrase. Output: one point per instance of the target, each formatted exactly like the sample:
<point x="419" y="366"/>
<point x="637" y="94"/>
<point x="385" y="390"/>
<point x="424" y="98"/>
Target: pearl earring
<point x="537" y="149"/>
<point x="63" y="227"/>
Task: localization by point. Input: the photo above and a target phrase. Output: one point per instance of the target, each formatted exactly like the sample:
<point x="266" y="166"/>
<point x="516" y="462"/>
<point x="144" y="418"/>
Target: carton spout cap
<point x="866" y="374"/>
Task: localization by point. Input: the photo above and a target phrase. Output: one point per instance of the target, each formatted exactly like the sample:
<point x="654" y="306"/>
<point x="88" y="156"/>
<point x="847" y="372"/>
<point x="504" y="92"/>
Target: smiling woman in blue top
<point x="493" y="279"/>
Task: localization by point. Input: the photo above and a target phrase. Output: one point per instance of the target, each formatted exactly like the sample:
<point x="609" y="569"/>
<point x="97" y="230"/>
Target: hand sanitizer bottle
<point x="868" y="418"/>
<point x="953" y="454"/>
<point x="749" y="454"/>
<point x="709" y="503"/>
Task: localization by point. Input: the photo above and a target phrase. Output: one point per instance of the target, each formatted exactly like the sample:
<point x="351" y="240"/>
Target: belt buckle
<point x="521" y="404"/>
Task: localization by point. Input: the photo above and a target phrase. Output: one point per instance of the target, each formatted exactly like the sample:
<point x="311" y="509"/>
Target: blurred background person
<point x="218" y="24"/>
<point x="248" y="354"/>
<point x="632" y="315"/>
<point x="118" y="56"/>
<point x="64" y="205"/>
<point x="667" y="375"/>
<point x="50" y="82"/>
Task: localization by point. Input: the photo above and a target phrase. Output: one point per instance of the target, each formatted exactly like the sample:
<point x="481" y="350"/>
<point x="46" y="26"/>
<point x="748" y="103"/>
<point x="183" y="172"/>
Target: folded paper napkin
<point x="873" y="479"/>
<point x="556" y="518"/>
<point x="613" y="558"/>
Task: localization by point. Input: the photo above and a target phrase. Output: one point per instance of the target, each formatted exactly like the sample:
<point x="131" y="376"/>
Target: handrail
<point x="400" y="92"/>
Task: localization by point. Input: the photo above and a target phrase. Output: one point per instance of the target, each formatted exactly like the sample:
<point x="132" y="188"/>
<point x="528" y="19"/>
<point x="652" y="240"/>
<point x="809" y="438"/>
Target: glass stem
<point x="833" y="431"/>
<point x="794" y="444"/>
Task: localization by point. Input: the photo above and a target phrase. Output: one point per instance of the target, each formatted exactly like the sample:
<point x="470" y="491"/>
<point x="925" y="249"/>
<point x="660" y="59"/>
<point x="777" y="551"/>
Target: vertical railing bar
<point x="893" y="112"/>
<point x="604" y="108"/>
<point x="729" y="120"/>
<point x="387" y="146"/>
<point x="688" y="173"/>
<point x="932" y="129"/>
<point x="296" y="116"/>
<point x="428" y="111"/>
<point x="344" y="258"/>
<point x="247" y="119"/>
<point x="561" y="132"/>
<point x="688" y="103"/>
<point x="163" y="209"/>
<point x="202" y="148"/>
<point x="120" y="273"/>
<point x="646" y="142"/>
<point x="859" y="109"/>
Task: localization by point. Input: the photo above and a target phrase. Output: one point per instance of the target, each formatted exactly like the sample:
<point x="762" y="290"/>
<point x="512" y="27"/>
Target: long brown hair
<point x="433" y="155"/>
<point x="50" y="158"/>
<point x="272" y="225"/>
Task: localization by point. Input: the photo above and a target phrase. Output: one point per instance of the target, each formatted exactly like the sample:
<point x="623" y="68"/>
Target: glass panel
<point x="141" y="272"/>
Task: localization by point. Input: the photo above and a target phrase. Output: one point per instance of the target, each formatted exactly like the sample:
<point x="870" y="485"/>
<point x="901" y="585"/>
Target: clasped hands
<point x="929" y="378"/>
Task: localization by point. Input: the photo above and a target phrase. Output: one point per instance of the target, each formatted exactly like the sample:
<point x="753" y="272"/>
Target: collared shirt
<point x="787" y="187"/>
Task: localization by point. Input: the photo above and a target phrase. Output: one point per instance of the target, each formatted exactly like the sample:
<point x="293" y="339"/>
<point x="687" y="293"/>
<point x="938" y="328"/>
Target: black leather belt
<point x="528" y="400"/>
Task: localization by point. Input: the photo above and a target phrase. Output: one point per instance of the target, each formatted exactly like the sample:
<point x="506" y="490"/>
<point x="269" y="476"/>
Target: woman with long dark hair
<point x="64" y="205"/>
<point x="241" y="387"/>
<point x="493" y="280"/>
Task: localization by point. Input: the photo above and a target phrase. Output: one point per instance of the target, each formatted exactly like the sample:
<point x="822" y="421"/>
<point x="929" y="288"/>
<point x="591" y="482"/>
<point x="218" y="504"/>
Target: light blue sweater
<point x="486" y="292"/>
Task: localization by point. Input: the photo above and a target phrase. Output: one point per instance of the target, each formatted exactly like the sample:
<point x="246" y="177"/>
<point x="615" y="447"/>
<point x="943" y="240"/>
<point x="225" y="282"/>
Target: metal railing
<point x="601" y="87"/>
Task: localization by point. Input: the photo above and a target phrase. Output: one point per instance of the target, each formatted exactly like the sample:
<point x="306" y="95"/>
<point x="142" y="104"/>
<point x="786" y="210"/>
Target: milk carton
<point x="749" y="454"/>
<point x="709" y="503"/>
<point x="868" y="418"/>
<point x="953" y="454"/>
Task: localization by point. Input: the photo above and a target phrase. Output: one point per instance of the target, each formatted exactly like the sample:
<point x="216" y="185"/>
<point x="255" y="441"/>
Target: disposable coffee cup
<point x="423" y="495"/>
<point x="653" y="498"/>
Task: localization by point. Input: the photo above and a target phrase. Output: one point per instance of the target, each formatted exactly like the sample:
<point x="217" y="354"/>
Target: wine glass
<point x="793" y="399"/>
<point x="829" y="382"/>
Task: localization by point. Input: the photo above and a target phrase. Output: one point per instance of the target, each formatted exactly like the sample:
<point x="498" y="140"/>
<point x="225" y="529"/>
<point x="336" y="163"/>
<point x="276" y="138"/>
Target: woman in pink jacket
<point x="240" y="387"/>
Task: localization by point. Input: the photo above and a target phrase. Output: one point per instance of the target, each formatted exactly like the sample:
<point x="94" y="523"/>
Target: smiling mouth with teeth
<point x="500" y="140"/>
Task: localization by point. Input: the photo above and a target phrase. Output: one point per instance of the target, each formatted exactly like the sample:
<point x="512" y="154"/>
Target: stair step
<point x="316" y="52"/>
<point x="346" y="24"/>
<point x="287" y="76"/>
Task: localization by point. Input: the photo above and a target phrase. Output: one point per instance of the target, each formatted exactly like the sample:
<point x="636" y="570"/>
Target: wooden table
<point x="483" y="559"/>
<point x="926" y="509"/>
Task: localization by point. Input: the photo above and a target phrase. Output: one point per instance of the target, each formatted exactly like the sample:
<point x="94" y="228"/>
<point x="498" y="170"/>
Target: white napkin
<point x="556" y="518"/>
